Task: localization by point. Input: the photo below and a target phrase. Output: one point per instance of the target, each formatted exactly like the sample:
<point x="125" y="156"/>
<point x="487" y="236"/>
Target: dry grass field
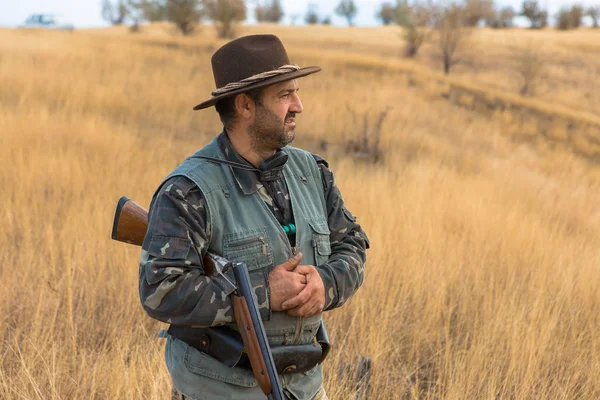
<point x="483" y="278"/>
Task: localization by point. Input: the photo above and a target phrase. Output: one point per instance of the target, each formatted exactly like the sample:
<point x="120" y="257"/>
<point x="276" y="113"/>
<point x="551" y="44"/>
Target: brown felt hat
<point x="252" y="61"/>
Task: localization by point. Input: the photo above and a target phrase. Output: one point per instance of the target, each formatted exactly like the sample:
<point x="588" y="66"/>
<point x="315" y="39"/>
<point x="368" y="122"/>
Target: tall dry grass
<point x="482" y="280"/>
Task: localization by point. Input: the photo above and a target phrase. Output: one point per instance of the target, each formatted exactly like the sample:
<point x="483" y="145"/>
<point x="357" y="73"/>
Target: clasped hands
<point x="297" y="289"/>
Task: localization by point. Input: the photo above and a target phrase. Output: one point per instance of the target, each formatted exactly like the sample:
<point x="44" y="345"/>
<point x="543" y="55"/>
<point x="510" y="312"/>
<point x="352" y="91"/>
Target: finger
<point x="300" y="278"/>
<point x="315" y="309"/>
<point x="305" y="269"/>
<point x="305" y="310"/>
<point x="299" y="299"/>
<point x="299" y="287"/>
<point x="293" y="262"/>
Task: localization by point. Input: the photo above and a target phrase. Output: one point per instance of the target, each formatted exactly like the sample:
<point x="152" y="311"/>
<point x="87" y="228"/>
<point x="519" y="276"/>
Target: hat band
<point x="253" y="79"/>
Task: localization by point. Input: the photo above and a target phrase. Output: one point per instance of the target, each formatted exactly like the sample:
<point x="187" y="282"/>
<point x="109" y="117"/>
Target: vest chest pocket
<point x="251" y="247"/>
<point x="320" y="240"/>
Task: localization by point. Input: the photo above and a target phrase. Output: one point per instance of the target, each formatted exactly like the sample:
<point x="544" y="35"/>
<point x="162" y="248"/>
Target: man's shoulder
<point x="320" y="160"/>
<point x="179" y="186"/>
<point x="309" y="156"/>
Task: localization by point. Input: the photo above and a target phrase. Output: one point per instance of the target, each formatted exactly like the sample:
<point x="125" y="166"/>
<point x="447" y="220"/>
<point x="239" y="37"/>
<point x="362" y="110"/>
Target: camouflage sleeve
<point x="344" y="271"/>
<point x="172" y="284"/>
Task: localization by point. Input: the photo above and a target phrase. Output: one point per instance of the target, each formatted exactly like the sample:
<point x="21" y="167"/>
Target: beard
<point x="268" y="132"/>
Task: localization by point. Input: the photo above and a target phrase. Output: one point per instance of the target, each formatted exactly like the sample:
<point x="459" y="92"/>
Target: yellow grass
<point x="482" y="280"/>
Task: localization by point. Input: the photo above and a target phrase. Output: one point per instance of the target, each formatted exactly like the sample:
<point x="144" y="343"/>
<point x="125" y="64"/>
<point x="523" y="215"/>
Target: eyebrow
<point x="282" y="91"/>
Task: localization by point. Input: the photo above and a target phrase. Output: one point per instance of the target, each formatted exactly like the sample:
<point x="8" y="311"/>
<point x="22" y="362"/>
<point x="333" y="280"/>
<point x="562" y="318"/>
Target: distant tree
<point x="151" y="10"/>
<point x="386" y="13"/>
<point x="348" y="10"/>
<point x="260" y="12"/>
<point x="563" y="19"/>
<point x="312" y="16"/>
<point x="530" y="67"/>
<point x="224" y="13"/>
<point x="415" y="18"/>
<point x="507" y="14"/>
<point x="532" y="11"/>
<point x="594" y="13"/>
<point x="269" y="12"/>
<point x="569" y="18"/>
<point x="452" y="33"/>
<point x="185" y="14"/>
<point x="326" y="20"/>
<point x="477" y="10"/>
<point x="577" y="14"/>
<point x="115" y="13"/>
<point x="501" y="19"/>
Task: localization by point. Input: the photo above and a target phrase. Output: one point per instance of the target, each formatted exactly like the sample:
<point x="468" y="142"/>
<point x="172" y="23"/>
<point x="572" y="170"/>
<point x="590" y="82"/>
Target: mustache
<point x="290" y="115"/>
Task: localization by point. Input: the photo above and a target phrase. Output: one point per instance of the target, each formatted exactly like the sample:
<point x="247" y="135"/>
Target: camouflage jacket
<point x="174" y="289"/>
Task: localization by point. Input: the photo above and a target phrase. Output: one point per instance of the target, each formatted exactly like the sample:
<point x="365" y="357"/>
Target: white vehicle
<point x="47" y="21"/>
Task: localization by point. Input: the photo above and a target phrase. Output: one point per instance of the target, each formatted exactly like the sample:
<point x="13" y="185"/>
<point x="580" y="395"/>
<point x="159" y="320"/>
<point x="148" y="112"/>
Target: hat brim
<point x="267" y="82"/>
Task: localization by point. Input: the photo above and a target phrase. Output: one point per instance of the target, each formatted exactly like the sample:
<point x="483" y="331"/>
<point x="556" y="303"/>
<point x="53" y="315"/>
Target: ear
<point x="244" y="106"/>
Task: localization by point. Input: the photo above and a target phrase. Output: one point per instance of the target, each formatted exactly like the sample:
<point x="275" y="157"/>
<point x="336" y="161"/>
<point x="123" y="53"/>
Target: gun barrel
<point x="254" y="335"/>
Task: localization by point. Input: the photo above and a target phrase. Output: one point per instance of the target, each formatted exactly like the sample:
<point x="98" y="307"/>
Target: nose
<point x="296" y="105"/>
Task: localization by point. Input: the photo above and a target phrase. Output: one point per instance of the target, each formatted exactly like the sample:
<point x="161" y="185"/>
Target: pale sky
<point x="86" y="13"/>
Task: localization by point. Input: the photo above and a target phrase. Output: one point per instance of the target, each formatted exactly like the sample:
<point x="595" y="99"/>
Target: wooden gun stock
<point x="130" y="226"/>
<point x="130" y="223"/>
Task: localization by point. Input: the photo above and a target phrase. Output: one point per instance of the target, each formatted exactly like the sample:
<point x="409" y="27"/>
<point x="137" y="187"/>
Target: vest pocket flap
<point x="319" y="226"/>
<point x="320" y="240"/>
<point x="173" y="248"/>
<point x="323" y="247"/>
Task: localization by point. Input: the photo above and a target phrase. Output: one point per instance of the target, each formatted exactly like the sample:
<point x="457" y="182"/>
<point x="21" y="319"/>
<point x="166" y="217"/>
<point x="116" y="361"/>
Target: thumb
<point x="293" y="262"/>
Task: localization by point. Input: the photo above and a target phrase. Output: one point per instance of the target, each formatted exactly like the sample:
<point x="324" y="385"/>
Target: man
<point x="249" y="197"/>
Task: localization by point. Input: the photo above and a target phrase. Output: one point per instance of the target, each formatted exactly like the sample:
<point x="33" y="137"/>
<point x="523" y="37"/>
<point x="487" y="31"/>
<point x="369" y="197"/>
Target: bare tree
<point x="452" y="34"/>
<point x="225" y="13"/>
<point x="536" y="16"/>
<point x="530" y="67"/>
<point x="115" y="13"/>
<point x="348" y="10"/>
<point x="594" y="13"/>
<point x="415" y="18"/>
<point x="367" y="143"/>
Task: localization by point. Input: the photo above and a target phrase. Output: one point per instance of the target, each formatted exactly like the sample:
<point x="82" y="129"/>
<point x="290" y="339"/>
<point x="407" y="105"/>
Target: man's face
<point x="274" y="120"/>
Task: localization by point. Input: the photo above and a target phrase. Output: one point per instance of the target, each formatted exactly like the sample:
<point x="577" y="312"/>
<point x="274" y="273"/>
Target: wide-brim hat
<point x="251" y="62"/>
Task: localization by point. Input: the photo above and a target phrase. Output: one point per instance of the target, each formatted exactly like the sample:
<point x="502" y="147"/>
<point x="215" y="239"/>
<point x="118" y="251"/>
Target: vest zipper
<point x="299" y="327"/>
<point x="264" y="246"/>
<point x="252" y="240"/>
<point x="300" y="320"/>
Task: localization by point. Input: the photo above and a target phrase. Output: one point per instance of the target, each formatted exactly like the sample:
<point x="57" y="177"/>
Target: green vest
<point x="243" y="229"/>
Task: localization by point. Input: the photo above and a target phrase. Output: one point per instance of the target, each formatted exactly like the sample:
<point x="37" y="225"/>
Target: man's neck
<point x="240" y="141"/>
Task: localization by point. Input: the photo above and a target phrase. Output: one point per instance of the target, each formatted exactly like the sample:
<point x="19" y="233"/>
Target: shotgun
<point x="130" y="226"/>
